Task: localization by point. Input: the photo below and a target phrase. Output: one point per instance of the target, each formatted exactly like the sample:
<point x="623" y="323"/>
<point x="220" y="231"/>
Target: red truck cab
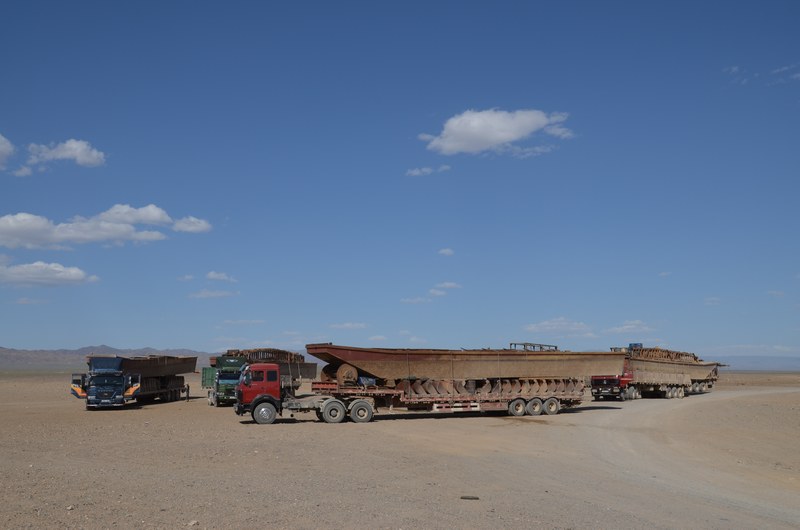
<point x="259" y="391"/>
<point x="612" y="386"/>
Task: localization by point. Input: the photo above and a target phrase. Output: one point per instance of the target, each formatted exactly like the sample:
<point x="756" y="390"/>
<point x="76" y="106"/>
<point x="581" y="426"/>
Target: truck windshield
<point x="229" y="377"/>
<point x="106" y="380"/>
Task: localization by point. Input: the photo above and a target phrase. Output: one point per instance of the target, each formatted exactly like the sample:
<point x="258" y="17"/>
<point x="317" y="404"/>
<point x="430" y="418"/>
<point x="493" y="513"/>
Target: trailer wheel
<point x="265" y="413"/>
<point x="517" y="407"/>
<point x="333" y="411"/>
<point x="552" y="406"/>
<point x="361" y="411"/>
<point x="534" y="407"/>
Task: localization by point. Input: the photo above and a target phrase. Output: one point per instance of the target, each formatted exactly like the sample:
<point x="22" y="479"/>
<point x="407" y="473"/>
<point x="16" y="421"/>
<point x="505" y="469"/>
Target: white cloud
<point x="23" y="171"/>
<point x="377" y="338"/>
<point x="349" y="325"/>
<point x="447" y="252"/>
<point x="186" y="278"/>
<point x="243" y="322"/>
<point x="417" y="340"/>
<point x="419" y="171"/>
<point x="192" y="225"/>
<point x="115" y="225"/>
<point x="422" y="171"/>
<point x="79" y="151"/>
<point x="664" y="274"/>
<point x="560" y="326"/>
<point x="776" y="294"/>
<point x="448" y="285"/>
<point x="43" y="274"/>
<point x="437" y="292"/>
<point x="207" y="293"/>
<point x="220" y="276"/>
<point x="496" y="130"/>
<point x="712" y="300"/>
<point x="630" y="326"/>
<point x="126" y="214"/>
<point x="6" y="150"/>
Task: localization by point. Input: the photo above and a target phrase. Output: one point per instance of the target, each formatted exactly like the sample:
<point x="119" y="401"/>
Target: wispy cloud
<point x="448" y="285"/>
<point x="242" y="322"/>
<point x="561" y="327"/>
<point x="29" y="301"/>
<point x="6" y="150"/>
<point x="712" y="301"/>
<point x="780" y="75"/>
<point x="664" y="274"/>
<point x="220" y="276"/>
<point x="629" y="326"/>
<point x="116" y="225"/>
<point x="776" y="294"/>
<point x="415" y="300"/>
<point x="423" y="171"/>
<point x="208" y="293"/>
<point x="437" y="292"/>
<point x="349" y="325"/>
<point x="377" y="338"/>
<point x="43" y="274"/>
<point x="41" y="156"/>
<point x="497" y="131"/>
<point x="446" y="252"/>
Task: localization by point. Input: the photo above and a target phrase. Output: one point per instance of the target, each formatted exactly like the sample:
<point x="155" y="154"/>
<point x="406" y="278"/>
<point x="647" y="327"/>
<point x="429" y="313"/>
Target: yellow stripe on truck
<point x="77" y="391"/>
<point x="132" y="391"/>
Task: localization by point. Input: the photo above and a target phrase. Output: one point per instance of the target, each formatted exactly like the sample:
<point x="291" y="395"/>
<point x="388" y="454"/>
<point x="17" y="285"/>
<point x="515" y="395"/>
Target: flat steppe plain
<point x="727" y="459"/>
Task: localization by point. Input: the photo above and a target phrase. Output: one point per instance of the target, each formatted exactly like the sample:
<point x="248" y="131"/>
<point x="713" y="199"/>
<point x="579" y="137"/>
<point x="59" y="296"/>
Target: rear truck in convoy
<point x="221" y="379"/>
<point x="113" y="381"/>
<point x="525" y="378"/>
<point x="656" y="372"/>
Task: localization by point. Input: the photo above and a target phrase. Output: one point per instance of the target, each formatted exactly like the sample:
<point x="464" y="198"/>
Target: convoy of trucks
<point x="655" y="372"/>
<point x="523" y="379"/>
<point x="113" y="381"/>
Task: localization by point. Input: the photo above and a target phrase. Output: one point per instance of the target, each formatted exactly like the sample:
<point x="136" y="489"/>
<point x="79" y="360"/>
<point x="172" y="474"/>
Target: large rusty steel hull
<point x="399" y="364"/>
<point x="653" y="371"/>
<point x="158" y="365"/>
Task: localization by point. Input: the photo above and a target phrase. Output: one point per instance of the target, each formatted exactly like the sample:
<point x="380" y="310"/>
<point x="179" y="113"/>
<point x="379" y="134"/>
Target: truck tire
<point x="552" y="406"/>
<point x="333" y="411"/>
<point x="517" y="407"/>
<point x="361" y="411"/>
<point x="265" y="413"/>
<point x="534" y="407"/>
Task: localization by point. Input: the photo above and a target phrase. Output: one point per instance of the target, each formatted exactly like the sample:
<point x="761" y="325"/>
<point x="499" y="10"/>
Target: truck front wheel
<point x="333" y="411"/>
<point x="265" y="413"/>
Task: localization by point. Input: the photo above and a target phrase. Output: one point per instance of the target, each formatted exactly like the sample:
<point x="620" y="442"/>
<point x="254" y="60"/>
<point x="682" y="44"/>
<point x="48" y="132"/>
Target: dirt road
<point x="727" y="459"/>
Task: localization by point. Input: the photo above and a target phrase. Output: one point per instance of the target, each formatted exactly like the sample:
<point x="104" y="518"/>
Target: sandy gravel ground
<point x="728" y="459"/>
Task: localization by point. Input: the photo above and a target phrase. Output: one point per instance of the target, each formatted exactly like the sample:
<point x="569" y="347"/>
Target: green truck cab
<point x="221" y="380"/>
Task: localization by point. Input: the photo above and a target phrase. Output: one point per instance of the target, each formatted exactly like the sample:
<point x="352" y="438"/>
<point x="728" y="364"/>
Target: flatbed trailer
<point x="348" y="390"/>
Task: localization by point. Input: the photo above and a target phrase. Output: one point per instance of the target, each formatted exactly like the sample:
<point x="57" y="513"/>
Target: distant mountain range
<point x="11" y="359"/>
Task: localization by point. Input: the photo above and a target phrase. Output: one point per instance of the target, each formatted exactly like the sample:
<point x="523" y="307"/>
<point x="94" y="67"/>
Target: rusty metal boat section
<point x="158" y="365"/>
<point x="523" y="361"/>
<point x="651" y="366"/>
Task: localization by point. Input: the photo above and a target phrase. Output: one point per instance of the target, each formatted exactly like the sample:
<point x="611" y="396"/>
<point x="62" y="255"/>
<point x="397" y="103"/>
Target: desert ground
<point x="727" y="459"/>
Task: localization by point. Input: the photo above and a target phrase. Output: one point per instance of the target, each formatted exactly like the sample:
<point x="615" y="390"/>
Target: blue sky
<point x="410" y="174"/>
